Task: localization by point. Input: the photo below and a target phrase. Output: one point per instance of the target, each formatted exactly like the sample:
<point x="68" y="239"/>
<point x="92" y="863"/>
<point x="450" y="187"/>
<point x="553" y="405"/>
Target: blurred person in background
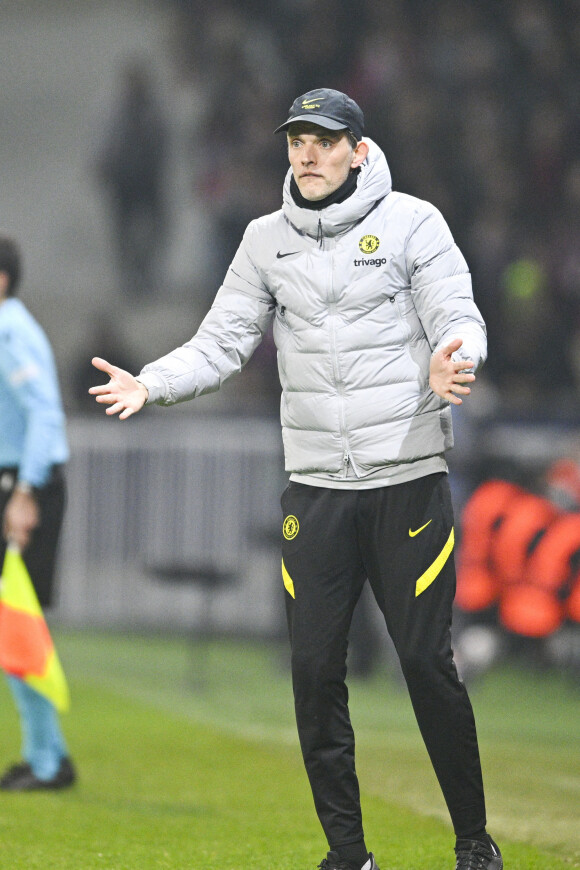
<point x="377" y="336"/>
<point x="130" y="165"/>
<point x="33" y="451"/>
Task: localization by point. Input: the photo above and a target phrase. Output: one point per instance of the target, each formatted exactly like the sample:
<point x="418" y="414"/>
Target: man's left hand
<point x="447" y="377"/>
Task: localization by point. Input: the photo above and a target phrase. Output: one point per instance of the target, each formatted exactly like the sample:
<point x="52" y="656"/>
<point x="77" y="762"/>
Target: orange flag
<point x="26" y="647"/>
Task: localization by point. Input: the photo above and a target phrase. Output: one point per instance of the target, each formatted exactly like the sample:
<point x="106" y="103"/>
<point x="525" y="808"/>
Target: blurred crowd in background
<point x="476" y="106"/>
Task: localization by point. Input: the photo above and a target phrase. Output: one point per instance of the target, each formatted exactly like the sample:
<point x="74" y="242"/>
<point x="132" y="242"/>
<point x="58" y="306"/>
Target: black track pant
<point x="401" y="538"/>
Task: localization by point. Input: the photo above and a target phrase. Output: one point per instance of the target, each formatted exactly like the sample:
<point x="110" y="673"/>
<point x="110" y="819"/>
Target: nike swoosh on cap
<point x="416" y="532"/>
<point x="289" y="254"/>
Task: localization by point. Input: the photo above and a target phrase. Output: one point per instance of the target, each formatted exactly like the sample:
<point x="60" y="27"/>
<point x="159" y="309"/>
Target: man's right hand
<point x="21" y="517"/>
<point x="124" y="393"/>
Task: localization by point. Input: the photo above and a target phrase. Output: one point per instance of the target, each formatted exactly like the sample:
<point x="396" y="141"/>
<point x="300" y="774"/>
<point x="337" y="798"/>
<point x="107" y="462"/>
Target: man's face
<point x="320" y="159"/>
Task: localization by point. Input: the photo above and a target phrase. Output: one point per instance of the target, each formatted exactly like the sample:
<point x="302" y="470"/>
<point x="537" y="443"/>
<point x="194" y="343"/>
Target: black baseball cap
<point x="330" y="109"/>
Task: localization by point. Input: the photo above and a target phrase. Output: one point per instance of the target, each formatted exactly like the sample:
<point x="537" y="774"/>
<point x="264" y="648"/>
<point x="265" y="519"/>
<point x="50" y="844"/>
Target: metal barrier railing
<point x="177" y="492"/>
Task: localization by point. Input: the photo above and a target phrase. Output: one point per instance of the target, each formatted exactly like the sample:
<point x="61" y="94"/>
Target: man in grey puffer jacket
<point x="377" y="333"/>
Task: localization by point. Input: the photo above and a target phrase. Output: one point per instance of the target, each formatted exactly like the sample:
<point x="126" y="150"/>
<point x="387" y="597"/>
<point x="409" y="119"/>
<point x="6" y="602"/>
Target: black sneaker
<point x="333" y="862"/>
<point x="14" y="773"/>
<point x="21" y="777"/>
<point x="475" y="855"/>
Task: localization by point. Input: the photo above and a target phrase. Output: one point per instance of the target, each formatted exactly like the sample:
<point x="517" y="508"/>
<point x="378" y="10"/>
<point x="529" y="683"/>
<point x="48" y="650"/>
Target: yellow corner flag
<point x="26" y="647"/>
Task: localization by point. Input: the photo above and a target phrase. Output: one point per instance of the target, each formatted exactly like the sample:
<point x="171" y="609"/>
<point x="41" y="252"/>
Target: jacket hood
<point x="374" y="183"/>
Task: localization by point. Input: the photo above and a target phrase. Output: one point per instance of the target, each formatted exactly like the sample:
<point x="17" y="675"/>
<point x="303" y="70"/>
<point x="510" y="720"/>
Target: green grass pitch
<point x="188" y="760"/>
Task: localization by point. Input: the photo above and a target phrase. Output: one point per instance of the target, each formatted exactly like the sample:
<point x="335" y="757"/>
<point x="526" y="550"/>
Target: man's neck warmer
<point x="346" y="189"/>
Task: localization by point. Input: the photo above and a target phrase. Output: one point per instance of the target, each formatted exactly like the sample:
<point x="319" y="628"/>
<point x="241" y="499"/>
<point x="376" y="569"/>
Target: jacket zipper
<point x="346" y="460"/>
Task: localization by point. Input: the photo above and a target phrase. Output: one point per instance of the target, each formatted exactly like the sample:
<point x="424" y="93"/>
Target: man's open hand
<point x="123" y="393"/>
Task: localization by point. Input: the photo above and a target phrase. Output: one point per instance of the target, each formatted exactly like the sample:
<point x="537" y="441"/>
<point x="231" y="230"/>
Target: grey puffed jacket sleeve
<point x="441" y="286"/>
<point x="223" y="344"/>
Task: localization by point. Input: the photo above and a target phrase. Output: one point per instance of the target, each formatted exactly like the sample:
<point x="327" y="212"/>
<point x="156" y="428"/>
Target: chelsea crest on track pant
<point x="401" y="538"/>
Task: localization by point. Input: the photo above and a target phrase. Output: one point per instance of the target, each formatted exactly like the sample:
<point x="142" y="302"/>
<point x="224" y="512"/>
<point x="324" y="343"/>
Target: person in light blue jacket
<point x="377" y="335"/>
<point x="33" y="453"/>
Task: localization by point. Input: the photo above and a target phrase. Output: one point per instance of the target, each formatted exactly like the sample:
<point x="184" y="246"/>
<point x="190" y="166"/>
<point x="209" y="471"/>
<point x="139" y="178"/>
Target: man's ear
<point x="4" y="281"/>
<point x="360" y="154"/>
